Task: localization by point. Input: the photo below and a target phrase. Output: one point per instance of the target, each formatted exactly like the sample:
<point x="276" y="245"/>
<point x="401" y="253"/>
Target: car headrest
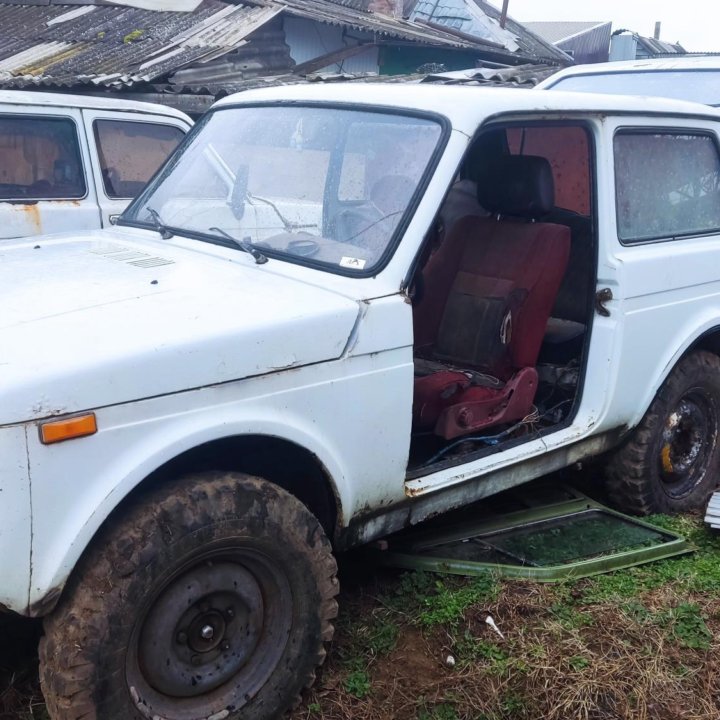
<point x="520" y="185"/>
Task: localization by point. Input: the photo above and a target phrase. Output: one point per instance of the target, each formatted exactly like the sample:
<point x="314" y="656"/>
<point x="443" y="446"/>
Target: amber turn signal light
<point x="74" y="427"/>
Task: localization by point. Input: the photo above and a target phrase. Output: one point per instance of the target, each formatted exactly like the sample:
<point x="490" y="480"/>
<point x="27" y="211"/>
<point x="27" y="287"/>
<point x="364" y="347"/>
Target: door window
<point x="131" y="152"/>
<point x="39" y="159"/>
<point x="667" y="185"/>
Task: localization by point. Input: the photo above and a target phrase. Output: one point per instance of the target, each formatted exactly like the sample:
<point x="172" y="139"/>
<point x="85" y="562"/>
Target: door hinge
<point x="601" y="297"/>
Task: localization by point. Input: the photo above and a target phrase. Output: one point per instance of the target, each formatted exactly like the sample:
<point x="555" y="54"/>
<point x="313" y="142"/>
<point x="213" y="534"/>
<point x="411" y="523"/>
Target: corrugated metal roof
<point x="659" y="47"/>
<point x="332" y="13"/>
<point x="555" y="32"/>
<point x="267" y="54"/>
<point x="482" y="20"/>
<point x="466" y="17"/>
<point x="228" y="88"/>
<point x="592" y="46"/>
<point x="116" y="46"/>
<point x="525" y="76"/>
<point x="531" y="44"/>
<point x="49" y="44"/>
<point x="362" y="5"/>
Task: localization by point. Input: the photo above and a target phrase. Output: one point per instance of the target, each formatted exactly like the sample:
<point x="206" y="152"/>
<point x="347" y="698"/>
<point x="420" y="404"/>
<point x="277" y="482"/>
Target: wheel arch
<point x="667" y="465"/>
<point x="279" y="460"/>
<point x="708" y="340"/>
<point x="705" y="337"/>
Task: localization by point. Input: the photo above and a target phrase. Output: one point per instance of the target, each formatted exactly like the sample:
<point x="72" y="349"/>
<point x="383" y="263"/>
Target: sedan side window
<point x="40" y="159"/>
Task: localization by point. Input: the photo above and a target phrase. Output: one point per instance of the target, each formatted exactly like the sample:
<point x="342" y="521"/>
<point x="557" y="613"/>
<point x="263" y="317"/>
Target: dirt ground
<point x="586" y="651"/>
<point x="638" y="644"/>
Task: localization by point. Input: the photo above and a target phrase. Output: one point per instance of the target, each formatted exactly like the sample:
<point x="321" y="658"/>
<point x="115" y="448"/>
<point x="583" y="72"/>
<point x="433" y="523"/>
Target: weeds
<point x="442" y="711"/>
<point x="636" y="644"/>
<point x="357" y="684"/>
<point x="688" y="626"/>
<point x="578" y="662"/>
<point x="451" y="598"/>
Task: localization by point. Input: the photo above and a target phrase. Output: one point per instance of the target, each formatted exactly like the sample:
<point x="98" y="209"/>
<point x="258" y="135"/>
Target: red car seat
<point x="488" y="292"/>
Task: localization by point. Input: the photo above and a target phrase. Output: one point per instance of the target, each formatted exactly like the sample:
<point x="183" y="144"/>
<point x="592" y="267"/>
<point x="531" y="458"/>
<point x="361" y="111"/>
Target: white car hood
<point x="107" y="318"/>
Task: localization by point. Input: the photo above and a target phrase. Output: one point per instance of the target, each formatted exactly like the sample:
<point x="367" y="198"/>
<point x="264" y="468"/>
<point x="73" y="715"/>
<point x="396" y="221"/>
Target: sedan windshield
<point x="701" y="86"/>
<point x="308" y="184"/>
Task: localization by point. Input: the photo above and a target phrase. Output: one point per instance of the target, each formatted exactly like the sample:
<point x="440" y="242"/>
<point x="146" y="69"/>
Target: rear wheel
<point x="211" y="598"/>
<point x="671" y="461"/>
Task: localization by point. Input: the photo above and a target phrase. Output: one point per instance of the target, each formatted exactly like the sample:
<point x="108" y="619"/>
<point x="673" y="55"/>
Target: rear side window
<point x="667" y="185"/>
<point x="567" y="149"/>
<point x="39" y="159"/>
<point x="131" y="152"/>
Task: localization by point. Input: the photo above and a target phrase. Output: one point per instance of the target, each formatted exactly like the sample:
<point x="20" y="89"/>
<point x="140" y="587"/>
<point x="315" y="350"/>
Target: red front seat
<point x="488" y="292"/>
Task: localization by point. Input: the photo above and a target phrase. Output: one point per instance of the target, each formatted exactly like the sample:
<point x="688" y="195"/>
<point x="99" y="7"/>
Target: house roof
<point x="526" y="76"/>
<point x="46" y="43"/>
<point x="520" y="76"/>
<point x="555" y="32"/>
<point x="348" y="13"/>
<point x="63" y="45"/>
<point x="100" y="44"/>
<point x="477" y="18"/>
<point x="660" y="47"/>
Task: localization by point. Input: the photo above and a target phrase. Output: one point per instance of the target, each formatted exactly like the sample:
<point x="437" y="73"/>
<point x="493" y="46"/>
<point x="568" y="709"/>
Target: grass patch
<point x="441" y="711"/>
<point x="451" y="598"/>
<point x="432" y="600"/>
<point x="688" y="626"/>
<point x="636" y="644"/>
<point x="357" y="684"/>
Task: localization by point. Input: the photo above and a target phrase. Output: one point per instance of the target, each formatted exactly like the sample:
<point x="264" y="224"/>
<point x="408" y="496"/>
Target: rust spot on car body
<point x="31" y="213"/>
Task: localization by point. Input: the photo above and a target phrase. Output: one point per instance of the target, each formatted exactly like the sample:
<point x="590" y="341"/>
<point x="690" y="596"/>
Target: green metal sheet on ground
<point x="571" y="538"/>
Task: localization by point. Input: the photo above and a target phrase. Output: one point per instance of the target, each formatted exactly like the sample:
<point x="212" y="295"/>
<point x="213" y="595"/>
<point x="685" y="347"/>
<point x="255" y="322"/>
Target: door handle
<point x="601" y="297"/>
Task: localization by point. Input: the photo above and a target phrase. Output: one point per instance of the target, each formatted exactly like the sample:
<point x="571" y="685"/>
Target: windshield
<point x="701" y="86"/>
<point x="313" y="184"/>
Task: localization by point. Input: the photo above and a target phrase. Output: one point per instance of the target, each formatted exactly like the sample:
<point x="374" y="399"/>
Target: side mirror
<point x="239" y="192"/>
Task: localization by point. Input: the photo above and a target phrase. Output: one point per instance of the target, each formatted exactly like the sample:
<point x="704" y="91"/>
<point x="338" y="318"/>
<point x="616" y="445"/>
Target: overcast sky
<point x="694" y="23"/>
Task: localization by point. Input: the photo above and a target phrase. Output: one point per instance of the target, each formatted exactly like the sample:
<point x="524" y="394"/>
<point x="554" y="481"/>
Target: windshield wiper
<point x="243" y="244"/>
<point x="160" y="226"/>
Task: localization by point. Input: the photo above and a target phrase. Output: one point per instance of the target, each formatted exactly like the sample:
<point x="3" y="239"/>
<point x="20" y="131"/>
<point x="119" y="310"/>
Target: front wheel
<point x="670" y="463"/>
<point x="213" y="597"/>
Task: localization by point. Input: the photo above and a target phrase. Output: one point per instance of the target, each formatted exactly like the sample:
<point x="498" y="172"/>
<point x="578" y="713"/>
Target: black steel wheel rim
<point x="688" y="441"/>
<point x="212" y="635"/>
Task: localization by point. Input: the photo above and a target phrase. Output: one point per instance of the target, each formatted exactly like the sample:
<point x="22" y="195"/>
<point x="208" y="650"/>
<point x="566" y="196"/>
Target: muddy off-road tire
<point x="671" y="462"/>
<point x="213" y="597"/>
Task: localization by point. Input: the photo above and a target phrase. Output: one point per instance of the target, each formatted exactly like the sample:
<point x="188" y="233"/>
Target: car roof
<point x="465" y="106"/>
<point x="682" y="63"/>
<point x="51" y="99"/>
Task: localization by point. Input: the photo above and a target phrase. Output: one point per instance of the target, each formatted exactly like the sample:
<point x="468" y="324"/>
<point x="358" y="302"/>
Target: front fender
<point x="691" y="335"/>
<point x="76" y="485"/>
